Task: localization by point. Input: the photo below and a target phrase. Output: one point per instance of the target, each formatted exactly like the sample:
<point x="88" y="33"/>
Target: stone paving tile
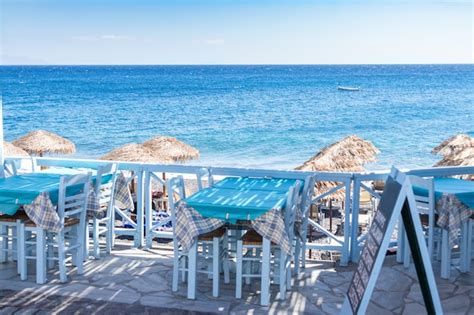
<point x="140" y="281"/>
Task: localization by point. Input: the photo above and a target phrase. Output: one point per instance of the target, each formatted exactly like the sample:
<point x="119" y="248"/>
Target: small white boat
<point x="348" y="88"/>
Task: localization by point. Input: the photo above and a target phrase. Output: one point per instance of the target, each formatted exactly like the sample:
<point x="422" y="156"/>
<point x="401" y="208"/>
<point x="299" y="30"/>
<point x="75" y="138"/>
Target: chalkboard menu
<point x="397" y="199"/>
<point x="375" y="236"/>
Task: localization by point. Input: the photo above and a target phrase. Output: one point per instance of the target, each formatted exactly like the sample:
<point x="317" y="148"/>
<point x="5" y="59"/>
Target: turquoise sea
<point x="253" y="116"/>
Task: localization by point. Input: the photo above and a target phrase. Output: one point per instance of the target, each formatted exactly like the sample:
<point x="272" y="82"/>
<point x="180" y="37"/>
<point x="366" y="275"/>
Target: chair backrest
<point x="73" y="196"/>
<point x="201" y="174"/>
<point x="105" y="191"/>
<point x="291" y="209"/>
<point x="307" y="195"/>
<point x="425" y="203"/>
<point x="11" y="167"/>
<point x="176" y="192"/>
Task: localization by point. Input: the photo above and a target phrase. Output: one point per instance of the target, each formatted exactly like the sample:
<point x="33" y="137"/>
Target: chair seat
<point x="252" y="238"/>
<point x="210" y="235"/>
<point x="67" y="222"/>
<point x="19" y="215"/>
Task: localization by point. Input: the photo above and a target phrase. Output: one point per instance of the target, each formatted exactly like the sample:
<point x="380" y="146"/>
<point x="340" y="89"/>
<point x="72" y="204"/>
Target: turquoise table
<point x="462" y="189"/>
<point x="235" y="204"/>
<point x="248" y="183"/>
<point x="23" y="189"/>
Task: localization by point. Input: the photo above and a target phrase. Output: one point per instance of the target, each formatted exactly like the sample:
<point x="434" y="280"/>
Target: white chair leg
<point x="297" y="256"/>
<point x="238" y="279"/>
<point x="282" y="275"/>
<point x="192" y="271"/>
<point x="226" y="263"/>
<point x="80" y="233"/>
<point x="19" y="247"/>
<point x="445" y="256"/>
<point x="184" y="261"/>
<point x="22" y="251"/>
<point x="40" y="256"/>
<point x="248" y="268"/>
<point x="61" y="257"/>
<point x="86" y="241"/>
<point x="108" y="237"/>
<point x="50" y="250"/>
<point x="175" y="267"/>
<point x="465" y="254"/>
<point x="95" y="235"/>
<point x="265" y="291"/>
<point x="215" y="266"/>
<point x="4" y="243"/>
<point x="112" y="228"/>
<point x="14" y="243"/>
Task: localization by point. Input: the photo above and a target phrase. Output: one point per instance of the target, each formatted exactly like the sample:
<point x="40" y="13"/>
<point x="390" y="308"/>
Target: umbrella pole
<point x="164" y="191"/>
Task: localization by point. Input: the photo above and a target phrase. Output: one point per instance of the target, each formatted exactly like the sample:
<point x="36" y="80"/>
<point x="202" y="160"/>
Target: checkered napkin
<point x="190" y="224"/>
<point x="42" y="212"/>
<point x="452" y="214"/>
<point x="271" y="226"/>
<point x="122" y="196"/>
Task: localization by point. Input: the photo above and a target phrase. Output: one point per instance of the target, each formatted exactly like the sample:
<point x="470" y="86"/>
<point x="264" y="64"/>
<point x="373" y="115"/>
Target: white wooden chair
<point x="103" y="226"/>
<point x="69" y="240"/>
<point x="9" y="225"/>
<point x="215" y="240"/>
<point x="201" y="174"/>
<point x="256" y="252"/>
<point x="304" y="205"/>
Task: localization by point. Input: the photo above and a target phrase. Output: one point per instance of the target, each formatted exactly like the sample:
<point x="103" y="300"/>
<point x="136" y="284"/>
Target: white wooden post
<point x="138" y="238"/>
<point x="355" y="220"/>
<point x="347" y="225"/>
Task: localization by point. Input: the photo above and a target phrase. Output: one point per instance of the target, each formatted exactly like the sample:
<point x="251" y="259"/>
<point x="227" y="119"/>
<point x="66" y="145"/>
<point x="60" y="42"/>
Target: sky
<point x="236" y="32"/>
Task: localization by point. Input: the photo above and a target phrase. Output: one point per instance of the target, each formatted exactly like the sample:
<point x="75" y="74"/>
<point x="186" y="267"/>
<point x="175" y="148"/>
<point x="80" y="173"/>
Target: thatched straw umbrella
<point x="40" y="142"/>
<point x="132" y="152"/>
<point x="462" y="157"/>
<point x="11" y="150"/>
<point x="454" y="144"/>
<point x="346" y="155"/>
<point x="171" y="149"/>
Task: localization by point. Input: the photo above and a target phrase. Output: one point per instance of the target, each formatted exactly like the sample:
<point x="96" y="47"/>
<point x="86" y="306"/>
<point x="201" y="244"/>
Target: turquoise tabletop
<point x="462" y="189"/>
<point x="248" y="183"/>
<point x="23" y="189"/>
<point x="232" y="205"/>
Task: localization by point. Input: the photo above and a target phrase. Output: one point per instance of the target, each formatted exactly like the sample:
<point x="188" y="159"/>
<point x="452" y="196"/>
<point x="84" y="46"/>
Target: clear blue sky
<point x="235" y="32"/>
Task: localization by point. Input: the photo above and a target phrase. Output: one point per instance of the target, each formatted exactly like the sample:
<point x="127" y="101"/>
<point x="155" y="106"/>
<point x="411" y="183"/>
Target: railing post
<point x="355" y="220"/>
<point x="347" y="224"/>
<point x="138" y="239"/>
<point x="148" y="211"/>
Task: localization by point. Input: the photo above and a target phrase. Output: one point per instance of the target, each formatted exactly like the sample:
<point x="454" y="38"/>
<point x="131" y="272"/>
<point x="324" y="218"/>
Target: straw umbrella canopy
<point x="346" y="155"/>
<point x="40" y="142"/>
<point x="171" y="150"/>
<point x="463" y="157"/>
<point x="132" y="152"/>
<point x="11" y="150"/>
<point x="454" y="144"/>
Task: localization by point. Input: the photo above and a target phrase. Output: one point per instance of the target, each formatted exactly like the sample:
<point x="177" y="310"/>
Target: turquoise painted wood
<point x="462" y="189"/>
<point x="233" y="204"/>
<point x="23" y="189"/>
<point x="252" y="183"/>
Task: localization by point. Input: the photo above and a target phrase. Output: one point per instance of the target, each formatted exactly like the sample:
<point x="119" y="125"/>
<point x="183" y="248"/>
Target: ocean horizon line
<point x="237" y="64"/>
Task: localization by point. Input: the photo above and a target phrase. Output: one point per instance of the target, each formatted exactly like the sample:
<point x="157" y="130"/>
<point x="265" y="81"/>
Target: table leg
<point x="265" y="290"/>
<point x="40" y="256"/>
<point x="192" y="268"/>
<point x="445" y="256"/>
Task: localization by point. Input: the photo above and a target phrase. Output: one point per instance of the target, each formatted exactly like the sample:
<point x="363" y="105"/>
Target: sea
<point x="259" y="116"/>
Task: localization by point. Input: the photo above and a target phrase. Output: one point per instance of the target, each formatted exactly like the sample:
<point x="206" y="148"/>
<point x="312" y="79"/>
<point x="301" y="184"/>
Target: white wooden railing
<point x="349" y="245"/>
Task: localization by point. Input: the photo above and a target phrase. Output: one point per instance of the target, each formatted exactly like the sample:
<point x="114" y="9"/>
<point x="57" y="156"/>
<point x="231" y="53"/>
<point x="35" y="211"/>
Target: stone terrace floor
<point x="132" y="281"/>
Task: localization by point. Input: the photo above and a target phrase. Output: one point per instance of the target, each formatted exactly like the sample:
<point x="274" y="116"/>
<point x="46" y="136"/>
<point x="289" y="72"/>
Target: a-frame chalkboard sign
<point x="397" y="199"/>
